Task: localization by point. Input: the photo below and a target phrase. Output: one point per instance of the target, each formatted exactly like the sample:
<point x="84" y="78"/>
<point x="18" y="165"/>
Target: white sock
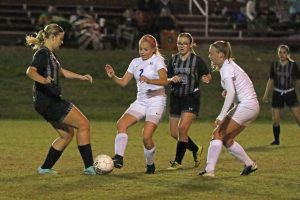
<point x="149" y="155"/>
<point x="238" y="152"/>
<point x="121" y="141"/>
<point x="214" y="150"/>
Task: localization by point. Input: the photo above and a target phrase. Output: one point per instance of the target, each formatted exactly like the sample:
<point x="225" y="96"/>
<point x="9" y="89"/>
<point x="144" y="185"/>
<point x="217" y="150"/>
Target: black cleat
<point x="150" y="169"/>
<point x="249" y="169"/>
<point x="118" y="161"/>
<point x="275" y="143"/>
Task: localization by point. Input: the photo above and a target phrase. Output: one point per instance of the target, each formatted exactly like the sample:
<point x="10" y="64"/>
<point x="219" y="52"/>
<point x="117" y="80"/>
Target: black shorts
<point x="180" y="104"/>
<point x="280" y="100"/>
<point x="53" y="110"/>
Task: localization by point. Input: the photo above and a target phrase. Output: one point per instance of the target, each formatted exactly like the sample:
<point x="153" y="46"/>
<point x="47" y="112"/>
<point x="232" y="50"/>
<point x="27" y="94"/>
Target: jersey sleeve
<point x="202" y="67"/>
<point x="160" y="64"/>
<point x="296" y="71"/>
<point x="170" y="67"/>
<point x="131" y="67"/>
<point x="40" y="60"/>
<point x="272" y="72"/>
<point x="228" y="71"/>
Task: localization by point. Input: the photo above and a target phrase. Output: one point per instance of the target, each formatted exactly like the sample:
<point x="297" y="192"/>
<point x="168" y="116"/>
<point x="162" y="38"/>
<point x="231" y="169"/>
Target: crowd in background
<point x="157" y="17"/>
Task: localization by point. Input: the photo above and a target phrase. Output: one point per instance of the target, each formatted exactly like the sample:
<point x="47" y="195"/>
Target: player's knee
<point x="227" y="142"/>
<point x="183" y="129"/>
<point x="84" y="125"/>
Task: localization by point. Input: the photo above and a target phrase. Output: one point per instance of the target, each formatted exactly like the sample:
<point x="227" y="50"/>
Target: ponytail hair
<point x="39" y="39"/>
<point x="152" y="41"/>
<point x="286" y="47"/>
<point x="223" y="47"/>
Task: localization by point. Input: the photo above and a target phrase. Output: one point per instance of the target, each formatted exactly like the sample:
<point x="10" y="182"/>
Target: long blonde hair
<point x="152" y="41"/>
<point x="39" y="39"/>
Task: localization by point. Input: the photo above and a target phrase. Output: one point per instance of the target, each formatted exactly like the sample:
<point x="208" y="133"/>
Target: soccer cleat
<point x="197" y="156"/>
<point x="207" y="174"/>
<point x="46" y="171"/>
<point x="90" y="171"/>
<point x="275" y="143"/>
<point x="150" y="169"/>
<point x="174" y="165"/>
<point x="249" y="169"/>
<point x="118" y="161"/>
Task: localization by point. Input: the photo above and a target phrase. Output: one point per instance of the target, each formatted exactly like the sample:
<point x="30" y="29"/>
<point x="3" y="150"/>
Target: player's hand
<point x="109" y="70"/>
<point x="87" y="77"/>
<point x="224" y="93"/>
<point x="265" y="99"/>
<point x="206" y="78"/>
<point x="48" y="80"/>
<point x="175" y="79"/>
<point x="143" y="79"/>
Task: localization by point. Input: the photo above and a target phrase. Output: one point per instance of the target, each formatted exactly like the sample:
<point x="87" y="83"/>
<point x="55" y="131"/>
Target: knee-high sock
<point x="238" y="152"/>
<point x="180" y="151"/>
<point x="276" y="133"/>
<point x="149" y="155"/>
<point x="191" y="145"/>
<point x="86" y="155"/>
<point x="52" y="156"/>
<point x="121" y="141"/>
<point x="214" y="150"/>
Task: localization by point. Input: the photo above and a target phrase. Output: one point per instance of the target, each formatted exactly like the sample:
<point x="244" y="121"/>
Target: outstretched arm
<point x="71" y="75"/>
<point x="120" y="81"/>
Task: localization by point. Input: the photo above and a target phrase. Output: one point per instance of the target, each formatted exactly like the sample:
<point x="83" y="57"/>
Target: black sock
<point x="192" y="146"/>
<point x="86" y="155"/>
<point x="52" y="156"/>
<point x="276" y="133"/>
<point x="180" y="151"/>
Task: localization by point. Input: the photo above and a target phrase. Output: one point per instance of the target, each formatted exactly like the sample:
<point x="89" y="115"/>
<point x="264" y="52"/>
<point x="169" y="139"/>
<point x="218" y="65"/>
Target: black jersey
<point x="190" y="70"/>
<point x="284" y="76"/>
<point x="47" y="65"/>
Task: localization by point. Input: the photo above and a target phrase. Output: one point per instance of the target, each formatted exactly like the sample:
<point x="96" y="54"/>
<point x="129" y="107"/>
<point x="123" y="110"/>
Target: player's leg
<point x="296" y="112"/>
<point x="59" y="144"/>
<point x="121" y="139"/>
<point x="77" y="120"/>
<point x="276" y="112"/>
<point x="173" y="125"/>
<point x="149" y="146"/>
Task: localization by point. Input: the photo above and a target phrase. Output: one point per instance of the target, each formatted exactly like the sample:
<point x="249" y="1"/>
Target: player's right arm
<point x="32" y="73"/>
<point x="269" y="88"/>
<point x="120" y="81"/>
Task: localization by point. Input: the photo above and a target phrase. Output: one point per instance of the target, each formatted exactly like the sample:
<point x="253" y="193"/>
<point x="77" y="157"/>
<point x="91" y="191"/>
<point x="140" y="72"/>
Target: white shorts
<point x="153" y="112"/>
<point x="244" y="114"/>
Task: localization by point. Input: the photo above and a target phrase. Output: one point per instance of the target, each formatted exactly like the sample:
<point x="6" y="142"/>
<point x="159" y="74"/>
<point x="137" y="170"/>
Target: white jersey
<point x="244" y="93"/>
<point x="148" y="68"/>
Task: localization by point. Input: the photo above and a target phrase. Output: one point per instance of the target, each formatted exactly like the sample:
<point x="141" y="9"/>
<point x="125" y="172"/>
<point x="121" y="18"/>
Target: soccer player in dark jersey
<point x="185" y="70"/>
<point x="284" y="73"/>
<point x="48" y="102"/>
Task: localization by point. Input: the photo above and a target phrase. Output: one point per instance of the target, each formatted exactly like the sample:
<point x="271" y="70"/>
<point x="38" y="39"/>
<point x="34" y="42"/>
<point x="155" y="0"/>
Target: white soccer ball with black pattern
<point x="103" y="164"/>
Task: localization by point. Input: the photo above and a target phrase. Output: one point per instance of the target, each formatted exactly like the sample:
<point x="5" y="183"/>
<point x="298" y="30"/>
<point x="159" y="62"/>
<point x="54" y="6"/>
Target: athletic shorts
<point x="53" y="110"/>
<point x="244" y="114"/>
<point x="289" y="99"/>
<point x="181" y="104"/>
<point x="152" y="112"/>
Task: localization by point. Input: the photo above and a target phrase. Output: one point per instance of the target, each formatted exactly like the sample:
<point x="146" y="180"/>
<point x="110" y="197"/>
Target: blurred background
<point x="107" y="31"/>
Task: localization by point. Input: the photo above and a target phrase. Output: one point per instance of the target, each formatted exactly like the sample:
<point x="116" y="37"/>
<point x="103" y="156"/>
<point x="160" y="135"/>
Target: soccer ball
<point x="103" y="164"/>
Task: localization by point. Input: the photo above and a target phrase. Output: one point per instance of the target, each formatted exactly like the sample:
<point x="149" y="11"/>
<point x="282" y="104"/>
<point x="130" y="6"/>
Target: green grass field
<point x="25" y="137"/>
<point x="24" y="144"/>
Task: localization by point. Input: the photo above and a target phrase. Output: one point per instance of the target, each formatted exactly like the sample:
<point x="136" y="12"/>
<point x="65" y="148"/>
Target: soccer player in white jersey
<point x="150" y="73"/>
<point x="238" y="91"/>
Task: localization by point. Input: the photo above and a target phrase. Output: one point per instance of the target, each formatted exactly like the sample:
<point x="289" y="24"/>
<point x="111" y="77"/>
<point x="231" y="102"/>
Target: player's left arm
<point x="163" y="78"/>
<point x="71" y="75"/>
